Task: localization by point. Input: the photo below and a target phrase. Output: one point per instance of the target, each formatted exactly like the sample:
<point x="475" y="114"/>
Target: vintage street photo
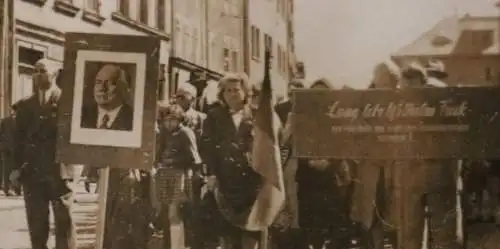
<point x="250" y="124"/>
<point x="108" y="100"/>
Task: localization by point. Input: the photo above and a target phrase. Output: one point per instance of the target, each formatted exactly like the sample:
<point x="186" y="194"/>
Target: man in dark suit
<point x="111" y="109"/>
<point x="7" y="133"/>
<point x="284" y="108"/>
<point x="35" y="163"/>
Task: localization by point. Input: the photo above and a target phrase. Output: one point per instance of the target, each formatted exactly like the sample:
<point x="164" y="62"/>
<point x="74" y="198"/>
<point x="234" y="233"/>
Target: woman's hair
<point x="321" y="83"/>
<point x="413" y="70"/>
<point x="171" y="110"/>
<point x="383" y="71"/>
<point x="233" y="77"/>
<point x="297" y="83"/>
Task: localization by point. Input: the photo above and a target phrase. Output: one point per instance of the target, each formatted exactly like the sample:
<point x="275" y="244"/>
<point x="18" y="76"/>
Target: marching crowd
<point x="198" y="152"/>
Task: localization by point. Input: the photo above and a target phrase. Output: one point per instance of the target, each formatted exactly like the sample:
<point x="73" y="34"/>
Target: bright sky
<point x="343" y="39"/>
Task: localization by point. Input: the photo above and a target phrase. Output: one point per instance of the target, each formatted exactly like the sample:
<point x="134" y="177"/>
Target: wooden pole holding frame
<point x="101" y="208"/>
<point x="459" y="209"/>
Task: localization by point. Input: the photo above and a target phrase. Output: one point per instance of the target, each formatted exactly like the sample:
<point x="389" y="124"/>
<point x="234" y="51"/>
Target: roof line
<point x="426" y="33"/>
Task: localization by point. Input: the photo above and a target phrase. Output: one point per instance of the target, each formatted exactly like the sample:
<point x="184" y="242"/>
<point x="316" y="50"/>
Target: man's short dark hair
<point x="297" y="83"/>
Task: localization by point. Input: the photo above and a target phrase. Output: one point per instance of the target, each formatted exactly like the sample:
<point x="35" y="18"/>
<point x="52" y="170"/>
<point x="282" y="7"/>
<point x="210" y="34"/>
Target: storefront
<point x="181" y="70"/>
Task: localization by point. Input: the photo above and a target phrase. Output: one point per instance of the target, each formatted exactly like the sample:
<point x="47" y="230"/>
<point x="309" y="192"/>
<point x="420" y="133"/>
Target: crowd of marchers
<point x="329" y="203"/>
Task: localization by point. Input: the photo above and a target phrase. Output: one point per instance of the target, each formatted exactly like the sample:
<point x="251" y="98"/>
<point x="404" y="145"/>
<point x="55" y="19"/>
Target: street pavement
<point x="14" y="229"/>
<point x="485" y="236"/>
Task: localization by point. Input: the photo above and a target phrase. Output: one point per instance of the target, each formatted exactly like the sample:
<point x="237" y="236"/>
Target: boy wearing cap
<point x="177" y="156"/>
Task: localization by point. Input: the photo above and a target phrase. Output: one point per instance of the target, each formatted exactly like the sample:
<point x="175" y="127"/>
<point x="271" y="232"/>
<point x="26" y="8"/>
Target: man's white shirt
<point x="44" y="96"/>
<point x="112" y="114"/>
<point x="237" y="118"/>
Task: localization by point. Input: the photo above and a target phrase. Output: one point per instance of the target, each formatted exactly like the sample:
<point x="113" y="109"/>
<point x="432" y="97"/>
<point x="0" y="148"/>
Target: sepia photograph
<point x="108" y="110"/>
<point x="250" y="124"/>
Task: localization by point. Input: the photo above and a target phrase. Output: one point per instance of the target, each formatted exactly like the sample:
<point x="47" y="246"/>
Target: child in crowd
<point x="178" y="154"/>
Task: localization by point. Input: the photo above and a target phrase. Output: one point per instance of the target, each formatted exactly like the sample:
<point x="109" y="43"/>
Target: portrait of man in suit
<point x="107" y="104"/>
<point x="107" y="99"/>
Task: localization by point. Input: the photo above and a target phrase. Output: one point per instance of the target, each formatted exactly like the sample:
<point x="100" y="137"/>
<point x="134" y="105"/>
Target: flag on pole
<point x="266" y="159"/>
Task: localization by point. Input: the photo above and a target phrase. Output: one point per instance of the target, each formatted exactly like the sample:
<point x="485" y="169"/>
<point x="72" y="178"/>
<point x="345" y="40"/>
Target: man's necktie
<point x="42" y="98"/>
<point x="104" y="122"/>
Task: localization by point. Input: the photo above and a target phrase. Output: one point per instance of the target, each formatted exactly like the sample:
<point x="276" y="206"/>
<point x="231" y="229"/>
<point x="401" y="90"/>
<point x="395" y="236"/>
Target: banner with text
<point x="405" y="123"/>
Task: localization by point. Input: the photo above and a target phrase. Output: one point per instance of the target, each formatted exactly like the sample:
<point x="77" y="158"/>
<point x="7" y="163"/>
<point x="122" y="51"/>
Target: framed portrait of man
<point x="108" y="102"/>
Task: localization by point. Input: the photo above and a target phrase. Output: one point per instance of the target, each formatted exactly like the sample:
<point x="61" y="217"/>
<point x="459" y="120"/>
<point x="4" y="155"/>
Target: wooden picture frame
<point x="118" y="146"/>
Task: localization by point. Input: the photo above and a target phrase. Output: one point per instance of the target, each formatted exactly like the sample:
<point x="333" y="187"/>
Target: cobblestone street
<point x="14" y="230"/>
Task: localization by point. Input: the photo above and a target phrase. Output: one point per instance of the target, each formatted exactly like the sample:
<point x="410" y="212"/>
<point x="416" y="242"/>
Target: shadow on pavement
<point x="486" y="236"/>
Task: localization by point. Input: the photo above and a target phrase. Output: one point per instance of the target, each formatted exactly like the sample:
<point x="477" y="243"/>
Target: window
<point x="226" y="60"/>
<point x="255" y="42"/>
<point x="93" y="5"/>
<point x="284" y="64"/>
<point x="268" y="43"/>
<point x="212" y="61"/>
<point x="234" y="60"/>
<point x="143" y="12"/>
<point x="203" y="51"/>
<point x="279" y="60"/>
<point x="194" y="51"/>
<point x="283" y="11"/>
<point x="27" y="57"/>
<point x="178" y="36"/>
<point x="185" y="42"/>
<point x="161" y="82"/>
<point x="160" y="14"/>
<point x="24" y="86"/>
<point x="123" y="7"/>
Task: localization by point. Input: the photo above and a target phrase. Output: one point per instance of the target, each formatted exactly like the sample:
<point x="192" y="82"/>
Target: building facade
<point x="224" y="39"/>
<point x="40" y="26"/>
<point x="271" y="24"/>
<point x="207" y="39"/>
<point x="220" y="35"/>
<point x="467" y="45"/>
<point x="187" y="31"/>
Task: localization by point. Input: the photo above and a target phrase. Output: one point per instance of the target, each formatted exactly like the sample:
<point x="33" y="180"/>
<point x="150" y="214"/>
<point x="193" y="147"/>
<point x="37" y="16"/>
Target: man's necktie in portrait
<point x="110" y="107"/>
